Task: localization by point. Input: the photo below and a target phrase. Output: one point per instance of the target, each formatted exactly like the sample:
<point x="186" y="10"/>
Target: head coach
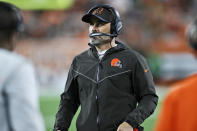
<point x="111" y="82"/>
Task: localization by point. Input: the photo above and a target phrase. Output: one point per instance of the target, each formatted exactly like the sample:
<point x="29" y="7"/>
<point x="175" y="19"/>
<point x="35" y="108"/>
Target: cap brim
<point x="88" y="17"/>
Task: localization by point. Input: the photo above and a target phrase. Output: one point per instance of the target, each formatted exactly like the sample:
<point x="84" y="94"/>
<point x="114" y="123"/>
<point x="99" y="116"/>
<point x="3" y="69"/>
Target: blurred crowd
<point x="153" y="27"/>
<point x="146" y="22"/>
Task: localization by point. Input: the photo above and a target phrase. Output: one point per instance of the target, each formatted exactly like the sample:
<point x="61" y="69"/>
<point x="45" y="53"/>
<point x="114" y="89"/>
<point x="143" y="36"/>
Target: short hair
<point x="191" y="34"/>
<point x="11" y="20"/>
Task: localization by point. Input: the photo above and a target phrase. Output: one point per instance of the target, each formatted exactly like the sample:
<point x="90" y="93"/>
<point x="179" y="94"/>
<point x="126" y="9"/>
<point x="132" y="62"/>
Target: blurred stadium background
<point x="54" y="34"/>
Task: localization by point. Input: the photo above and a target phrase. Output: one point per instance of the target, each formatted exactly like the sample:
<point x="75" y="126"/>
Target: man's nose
<point x="95" y="27"/>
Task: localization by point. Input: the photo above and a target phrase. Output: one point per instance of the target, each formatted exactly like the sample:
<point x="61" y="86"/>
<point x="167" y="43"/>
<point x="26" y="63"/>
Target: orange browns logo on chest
<point x="116" y="63"/>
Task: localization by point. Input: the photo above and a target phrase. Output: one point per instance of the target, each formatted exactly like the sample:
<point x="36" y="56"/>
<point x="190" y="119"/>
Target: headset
<point x="116" y="25"/>
<point x="17" y="25"/>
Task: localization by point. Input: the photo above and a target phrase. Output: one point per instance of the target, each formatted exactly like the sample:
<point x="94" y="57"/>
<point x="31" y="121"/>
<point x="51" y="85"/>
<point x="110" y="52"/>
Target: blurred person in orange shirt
<point x="19" y="105"/>
<point x="179" y="111"/>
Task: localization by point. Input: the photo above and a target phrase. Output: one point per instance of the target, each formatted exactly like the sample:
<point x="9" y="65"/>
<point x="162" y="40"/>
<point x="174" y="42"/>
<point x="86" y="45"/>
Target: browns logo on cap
<point x="98" y="11"/>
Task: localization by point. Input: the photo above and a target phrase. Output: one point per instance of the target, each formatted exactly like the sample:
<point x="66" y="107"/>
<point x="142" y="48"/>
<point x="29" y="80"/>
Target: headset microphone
<point x="102" y="34"/>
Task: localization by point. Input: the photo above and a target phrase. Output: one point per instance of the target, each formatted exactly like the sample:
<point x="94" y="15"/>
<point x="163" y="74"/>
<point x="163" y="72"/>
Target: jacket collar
<point x="120" y="46"/>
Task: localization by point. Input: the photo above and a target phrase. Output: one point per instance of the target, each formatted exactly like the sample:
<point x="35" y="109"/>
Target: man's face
<point x="97" y="26"/>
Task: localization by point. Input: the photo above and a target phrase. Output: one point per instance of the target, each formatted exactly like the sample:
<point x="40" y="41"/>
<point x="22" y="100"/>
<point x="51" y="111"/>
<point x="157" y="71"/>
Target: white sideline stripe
<point x="103" y="78"/>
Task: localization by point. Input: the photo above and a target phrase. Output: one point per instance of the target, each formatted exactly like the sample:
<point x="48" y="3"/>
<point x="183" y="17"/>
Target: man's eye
<point x="97" y="24"/>
<point x="101" y="24"/>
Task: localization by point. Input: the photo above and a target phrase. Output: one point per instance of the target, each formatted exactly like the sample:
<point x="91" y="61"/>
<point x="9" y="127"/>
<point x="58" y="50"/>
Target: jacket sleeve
<point x="144" y="92"/>
<point x="69" y="103"/>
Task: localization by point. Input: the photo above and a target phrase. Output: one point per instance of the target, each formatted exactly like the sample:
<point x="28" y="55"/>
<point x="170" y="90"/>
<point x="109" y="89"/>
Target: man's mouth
<point x="95" y="37"/>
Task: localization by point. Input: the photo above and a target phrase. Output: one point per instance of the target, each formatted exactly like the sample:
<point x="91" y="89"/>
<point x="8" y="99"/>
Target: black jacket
<point x="108" y="91"/>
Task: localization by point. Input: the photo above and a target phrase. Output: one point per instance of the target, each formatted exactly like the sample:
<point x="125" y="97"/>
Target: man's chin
<point x="99" y="41"/>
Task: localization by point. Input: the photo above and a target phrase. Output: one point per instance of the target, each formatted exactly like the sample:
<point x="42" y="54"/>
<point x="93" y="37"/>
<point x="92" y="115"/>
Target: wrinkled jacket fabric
<point x="117" y="88"/>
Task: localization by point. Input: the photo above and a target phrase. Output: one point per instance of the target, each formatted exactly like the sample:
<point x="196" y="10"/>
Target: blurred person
<point x="178" y="112"/>
<point x="19" y="107"/>
<point x="112" y="83"/>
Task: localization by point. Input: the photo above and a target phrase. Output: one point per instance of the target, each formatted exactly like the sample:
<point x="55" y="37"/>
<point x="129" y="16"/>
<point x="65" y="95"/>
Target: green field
<point x="49" y="107"/>
<point x="42" y="4"/>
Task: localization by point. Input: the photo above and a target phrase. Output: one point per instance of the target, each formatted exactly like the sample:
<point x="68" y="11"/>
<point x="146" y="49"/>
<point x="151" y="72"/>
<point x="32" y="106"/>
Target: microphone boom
<point x="101" y="34"/>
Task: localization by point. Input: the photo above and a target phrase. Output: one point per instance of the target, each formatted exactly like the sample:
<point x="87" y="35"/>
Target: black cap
<point x="100" y="13"/>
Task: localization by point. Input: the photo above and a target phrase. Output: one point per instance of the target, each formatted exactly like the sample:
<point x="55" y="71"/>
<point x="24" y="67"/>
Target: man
<point x="179" y="107"/>
<point x="19" y="107"/>
<point x="108" y="81"/>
